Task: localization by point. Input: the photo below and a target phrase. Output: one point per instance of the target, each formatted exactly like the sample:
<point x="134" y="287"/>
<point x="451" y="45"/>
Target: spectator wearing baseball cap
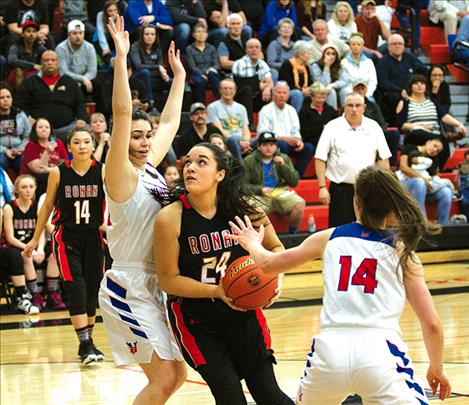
<point x="269" y="175"/>
<point x="198" y="131"/>
<point x="371" y="28"/>
<point x="77" y="10"/>
<point x="78" y="57"/>
<point x="18" y="12"/>
<point x="25" y="55"/>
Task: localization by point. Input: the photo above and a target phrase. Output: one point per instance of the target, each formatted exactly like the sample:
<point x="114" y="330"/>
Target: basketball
<point x="247" y="285"/>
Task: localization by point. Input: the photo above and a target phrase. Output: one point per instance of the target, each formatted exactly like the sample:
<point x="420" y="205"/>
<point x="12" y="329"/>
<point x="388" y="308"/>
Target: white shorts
<point x="371" y="363"/>
<point x="134" y="313"/>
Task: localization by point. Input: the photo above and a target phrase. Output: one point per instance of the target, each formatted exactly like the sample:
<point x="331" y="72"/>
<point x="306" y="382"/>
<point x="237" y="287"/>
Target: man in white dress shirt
<point x="282" y="119"/>
<point x="347" y="145"/>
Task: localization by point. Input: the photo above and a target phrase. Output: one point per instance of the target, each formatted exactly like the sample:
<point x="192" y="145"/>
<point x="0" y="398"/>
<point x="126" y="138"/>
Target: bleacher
<point x="436" y="50"/>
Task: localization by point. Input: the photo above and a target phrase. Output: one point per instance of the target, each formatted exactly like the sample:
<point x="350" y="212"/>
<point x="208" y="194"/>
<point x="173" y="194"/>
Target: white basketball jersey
<point x="363" y="285"/>
<point x="130" y="235"/>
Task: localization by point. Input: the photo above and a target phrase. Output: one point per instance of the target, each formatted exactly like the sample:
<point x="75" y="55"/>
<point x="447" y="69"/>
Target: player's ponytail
<point x="380" y="194"/>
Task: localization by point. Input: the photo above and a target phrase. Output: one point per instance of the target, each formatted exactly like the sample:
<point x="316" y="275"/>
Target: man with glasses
<point x="394" y="71"/>
<point x="347" y="145"/>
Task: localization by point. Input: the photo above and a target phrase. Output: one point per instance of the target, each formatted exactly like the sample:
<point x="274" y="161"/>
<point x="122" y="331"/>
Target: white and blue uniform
<point x="131" y="301"/>
<point x="360" y="349"/>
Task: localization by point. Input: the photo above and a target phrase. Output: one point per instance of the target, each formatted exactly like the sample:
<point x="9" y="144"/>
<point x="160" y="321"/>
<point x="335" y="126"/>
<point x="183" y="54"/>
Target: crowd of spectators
<point x="272" y="66"/>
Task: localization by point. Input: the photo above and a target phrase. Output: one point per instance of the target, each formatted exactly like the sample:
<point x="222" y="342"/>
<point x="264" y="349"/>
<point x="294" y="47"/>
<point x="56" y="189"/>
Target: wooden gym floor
<point x="39" y="366"/>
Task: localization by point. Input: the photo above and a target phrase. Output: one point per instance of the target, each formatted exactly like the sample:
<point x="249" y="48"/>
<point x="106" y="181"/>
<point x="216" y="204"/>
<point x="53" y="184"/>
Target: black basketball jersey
<point x="80" y="202"/>
<point x="205" y="251"/>
<point x="24" y="223"/>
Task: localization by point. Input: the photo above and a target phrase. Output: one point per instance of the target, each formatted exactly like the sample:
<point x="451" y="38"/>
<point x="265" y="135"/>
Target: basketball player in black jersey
<point x="75" y="191"/>
<point x="192" y="251"/>
<point x="20" y="223"/>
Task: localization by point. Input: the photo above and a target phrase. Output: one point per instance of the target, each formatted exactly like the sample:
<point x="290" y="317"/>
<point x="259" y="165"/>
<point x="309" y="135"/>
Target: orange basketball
<point x="247" y="285"/>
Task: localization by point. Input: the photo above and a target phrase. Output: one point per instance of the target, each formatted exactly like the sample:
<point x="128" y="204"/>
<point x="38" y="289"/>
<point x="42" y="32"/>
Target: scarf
<point x="297" y="69"/>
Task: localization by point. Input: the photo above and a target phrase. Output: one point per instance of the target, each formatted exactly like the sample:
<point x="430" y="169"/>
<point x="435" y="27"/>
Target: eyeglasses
<point x="353" y="105"/>
<point x="396" y="43"/>
<point x="437" y="74"/>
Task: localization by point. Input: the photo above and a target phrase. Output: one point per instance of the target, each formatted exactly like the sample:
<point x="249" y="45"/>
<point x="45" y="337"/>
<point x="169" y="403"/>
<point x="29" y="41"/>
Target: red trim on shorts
<point x="56" y="214"/>
<point x="103" y="208"/>
<point x="187" y="340"/>
<point x="185" y="202"/>
<point x="265" y="329"/>
<point x="61" y="255"/>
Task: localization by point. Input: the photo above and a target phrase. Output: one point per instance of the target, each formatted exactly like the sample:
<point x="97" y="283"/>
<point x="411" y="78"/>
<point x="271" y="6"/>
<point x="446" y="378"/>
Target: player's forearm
<point x="263" y="257"/>
<point x="171" y="115"/>
<point x="12" y="241"/>
<point x="42" y="219"/>
<point x="122" y="99"/>
<point x="187" y="287"/>
<point x="434" y="340"/>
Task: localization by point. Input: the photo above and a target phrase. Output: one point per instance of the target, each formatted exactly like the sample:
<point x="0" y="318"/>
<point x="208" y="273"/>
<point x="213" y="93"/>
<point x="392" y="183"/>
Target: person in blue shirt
<point x="141" y="13"/>
<point x="461" y="52"/>
<point x="274" y="12"/>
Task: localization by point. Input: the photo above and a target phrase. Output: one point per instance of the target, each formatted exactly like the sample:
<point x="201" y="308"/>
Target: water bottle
<point x="311" y="224"/>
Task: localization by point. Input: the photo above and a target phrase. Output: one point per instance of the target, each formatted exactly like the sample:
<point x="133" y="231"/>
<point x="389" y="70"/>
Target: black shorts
<point x="79" y="254"/>
<point x="11" y="262"/>
<point x="213" y="335"/>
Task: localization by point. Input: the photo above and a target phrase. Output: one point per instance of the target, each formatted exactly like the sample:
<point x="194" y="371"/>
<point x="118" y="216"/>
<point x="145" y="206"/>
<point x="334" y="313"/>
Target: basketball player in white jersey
<point x="368" y="274"/>
<point x="131" y="301"/>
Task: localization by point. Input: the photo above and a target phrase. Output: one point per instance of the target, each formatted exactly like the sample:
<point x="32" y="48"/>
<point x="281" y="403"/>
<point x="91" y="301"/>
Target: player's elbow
<point x="432" y="326"/>
<point x="165" y="282"/>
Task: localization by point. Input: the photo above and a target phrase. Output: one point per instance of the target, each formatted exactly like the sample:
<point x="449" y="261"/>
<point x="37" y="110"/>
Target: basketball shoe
<point x="54" y="300"/>
<point x="39" y="301"/>
<point x="25" y="305"/>
<point x="99" y="354"/>
<point x="86" y="352"/>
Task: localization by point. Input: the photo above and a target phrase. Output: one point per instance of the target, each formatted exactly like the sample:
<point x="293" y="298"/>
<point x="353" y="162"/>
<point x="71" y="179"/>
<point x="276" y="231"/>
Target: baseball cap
<point x="75" y="25"/>
<point x="359" y="80"/>
<point x="364" y="3"/>
<point x="266" y="137"/>
<point x="197" y="106"/>
<point x="29" y="23"/>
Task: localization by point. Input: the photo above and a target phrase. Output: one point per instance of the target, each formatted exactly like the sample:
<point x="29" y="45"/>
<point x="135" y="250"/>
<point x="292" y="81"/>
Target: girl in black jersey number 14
<point x="223" y="344"/>
<point x="75" y="192"/>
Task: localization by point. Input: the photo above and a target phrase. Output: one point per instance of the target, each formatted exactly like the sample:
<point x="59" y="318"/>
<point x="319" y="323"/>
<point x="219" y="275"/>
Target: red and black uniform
<point x="77" y="241"/>
<point x="222" y="344"/>
<point x="24" y="223"/>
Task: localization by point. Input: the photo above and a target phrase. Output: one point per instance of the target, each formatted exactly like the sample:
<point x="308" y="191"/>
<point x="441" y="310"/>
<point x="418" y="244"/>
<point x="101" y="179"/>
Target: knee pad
<point x="76" y="297"/>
